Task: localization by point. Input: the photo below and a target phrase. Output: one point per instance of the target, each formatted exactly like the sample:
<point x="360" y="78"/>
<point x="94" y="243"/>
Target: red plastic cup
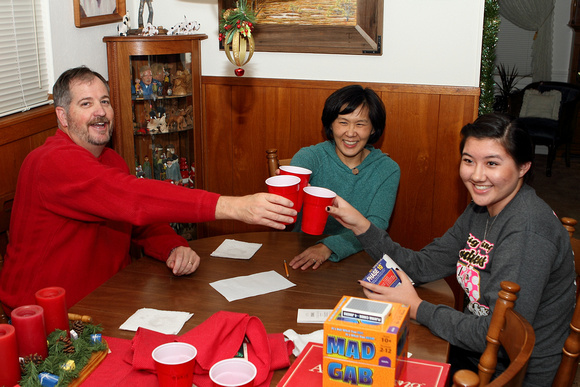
<point x="303" y="174"/>
<point x="174" y="363"/>
<point x="314" y="214"/>
<point x="234" y="372"/>
<point x="287" y="186"/>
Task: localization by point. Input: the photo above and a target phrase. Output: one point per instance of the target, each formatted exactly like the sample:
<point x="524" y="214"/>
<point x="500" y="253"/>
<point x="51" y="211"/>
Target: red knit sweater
<point x="74" y="217"/>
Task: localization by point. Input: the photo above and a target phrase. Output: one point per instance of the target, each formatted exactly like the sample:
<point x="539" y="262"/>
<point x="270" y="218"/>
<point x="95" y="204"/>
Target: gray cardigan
<point x="526" y="244"/>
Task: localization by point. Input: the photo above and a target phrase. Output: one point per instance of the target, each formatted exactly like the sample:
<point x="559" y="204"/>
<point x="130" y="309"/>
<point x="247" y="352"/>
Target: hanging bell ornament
<point x="240" y="50"/>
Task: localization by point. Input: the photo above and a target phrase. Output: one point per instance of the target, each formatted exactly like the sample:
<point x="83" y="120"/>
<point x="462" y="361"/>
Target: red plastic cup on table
<point x="174" y="363"/>
<point x="53" y="301"/>
<point x="28" y="322"/>
<point x="9" y="365"/>
<point x="234" y="372"/>
<point x="314" y="214"/>
<point x="287" y="186"/>
<point x="303" y="174"/>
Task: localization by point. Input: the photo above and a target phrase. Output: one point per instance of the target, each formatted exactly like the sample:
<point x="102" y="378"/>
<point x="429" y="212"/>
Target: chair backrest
<point x="571" y="351"/>
<point x="509" y="330"/>
<point x="273" y="161"/>
<point x="569" y="103"/>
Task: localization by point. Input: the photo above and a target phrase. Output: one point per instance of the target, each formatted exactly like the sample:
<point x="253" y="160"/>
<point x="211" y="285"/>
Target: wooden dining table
<point x="148" y="283"/>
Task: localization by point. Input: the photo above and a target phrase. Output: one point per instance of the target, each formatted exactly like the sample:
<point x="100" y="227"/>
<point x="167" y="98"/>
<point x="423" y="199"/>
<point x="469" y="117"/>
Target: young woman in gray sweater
<point x="507" y="233"/>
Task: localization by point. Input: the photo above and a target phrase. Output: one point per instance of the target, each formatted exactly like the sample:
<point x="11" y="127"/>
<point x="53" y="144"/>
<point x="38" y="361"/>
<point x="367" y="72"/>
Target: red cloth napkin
<point x="115" y="371"/>
<point x="217" y="338"/>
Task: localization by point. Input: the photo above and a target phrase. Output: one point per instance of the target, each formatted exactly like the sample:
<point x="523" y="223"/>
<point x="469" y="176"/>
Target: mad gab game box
<point x="364" y="343"/>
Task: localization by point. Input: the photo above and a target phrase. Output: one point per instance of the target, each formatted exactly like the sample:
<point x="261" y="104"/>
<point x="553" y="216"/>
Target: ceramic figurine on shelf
<point x="146" y="167"/>
<point x="125" y="26"/>
<point x="136" y="89"/>
<point x="157" y="125"/>
<point x="146" y="81"/>
<point x="172" y="171"/>
<point x="182" y="82"/>
<point x="171" y="153"/>
<point x="141" y="10"/>
<point x="157" y="70"/>
<point x="186" y="177"/>
<point x="157" y="162"/>
<point x="159" y="75"/>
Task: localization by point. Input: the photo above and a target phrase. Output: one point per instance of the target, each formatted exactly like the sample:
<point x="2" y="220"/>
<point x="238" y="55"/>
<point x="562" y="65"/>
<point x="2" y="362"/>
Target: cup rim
<point x="296" y="169"/>
<point x="273" y="181"/>
<point x="234" y="360"/>
<point x="173" y="344"/>
<point x="319" y="192"/>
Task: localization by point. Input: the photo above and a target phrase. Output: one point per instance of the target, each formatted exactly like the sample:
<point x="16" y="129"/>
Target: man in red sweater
<point x="77" y="208"/>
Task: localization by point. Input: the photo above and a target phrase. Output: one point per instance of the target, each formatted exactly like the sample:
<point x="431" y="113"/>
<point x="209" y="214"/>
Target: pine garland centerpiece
<point x="66" y="358"/>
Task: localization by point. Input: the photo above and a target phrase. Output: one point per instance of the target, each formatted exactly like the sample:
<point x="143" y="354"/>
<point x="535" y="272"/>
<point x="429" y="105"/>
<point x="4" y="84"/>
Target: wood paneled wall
<point x="245" y="116"/>
<point x="19" y="134"/>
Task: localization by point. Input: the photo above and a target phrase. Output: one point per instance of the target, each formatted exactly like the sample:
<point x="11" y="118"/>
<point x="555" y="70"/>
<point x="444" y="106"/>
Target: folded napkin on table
<point x="231" y="248"/>
<point x="164" y="321"/>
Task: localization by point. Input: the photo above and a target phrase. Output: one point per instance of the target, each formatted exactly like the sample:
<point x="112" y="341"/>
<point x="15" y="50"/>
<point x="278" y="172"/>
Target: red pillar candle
<point x="53" y="301"/>
<point x="9" y="366"/>
<point x="28" y="321"/>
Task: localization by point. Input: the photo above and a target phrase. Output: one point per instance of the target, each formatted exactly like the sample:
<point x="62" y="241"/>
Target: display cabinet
<point x="155" y="84"/>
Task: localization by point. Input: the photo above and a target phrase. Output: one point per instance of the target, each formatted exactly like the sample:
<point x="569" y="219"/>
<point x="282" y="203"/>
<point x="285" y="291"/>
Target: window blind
<point x="23" y="68"/>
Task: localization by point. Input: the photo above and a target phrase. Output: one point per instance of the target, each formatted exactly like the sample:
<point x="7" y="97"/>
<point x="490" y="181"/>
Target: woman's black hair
<point x="346" y="101"/>
<point x="510" y="134"/>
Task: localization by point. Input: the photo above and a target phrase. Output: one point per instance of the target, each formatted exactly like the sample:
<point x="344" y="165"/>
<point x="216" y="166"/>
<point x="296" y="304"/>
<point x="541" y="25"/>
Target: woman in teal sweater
<point x="353" y="119"/>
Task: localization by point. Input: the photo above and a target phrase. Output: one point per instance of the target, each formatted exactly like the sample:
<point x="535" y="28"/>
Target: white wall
<point x="561" y="50"/>
<point x="424" y="42"/>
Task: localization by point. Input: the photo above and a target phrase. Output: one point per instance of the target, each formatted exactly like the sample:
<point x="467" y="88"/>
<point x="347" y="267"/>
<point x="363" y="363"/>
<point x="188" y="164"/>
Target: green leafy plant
<point x="240" y="19"/>
<point x="507" y="85"/>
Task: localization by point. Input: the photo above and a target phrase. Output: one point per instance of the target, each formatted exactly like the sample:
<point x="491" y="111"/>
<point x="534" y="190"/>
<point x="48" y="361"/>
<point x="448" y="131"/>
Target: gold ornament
<point x="236" y="26"/>
<point x="240" y="50"/>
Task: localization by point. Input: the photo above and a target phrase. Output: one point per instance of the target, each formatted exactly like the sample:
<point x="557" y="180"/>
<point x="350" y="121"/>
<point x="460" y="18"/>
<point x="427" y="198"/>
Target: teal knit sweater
<point x="372" y="191"/>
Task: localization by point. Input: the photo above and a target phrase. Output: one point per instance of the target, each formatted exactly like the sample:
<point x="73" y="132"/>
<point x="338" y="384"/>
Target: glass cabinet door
<point x="155" y="87"/>
<point x="162" y="111"/>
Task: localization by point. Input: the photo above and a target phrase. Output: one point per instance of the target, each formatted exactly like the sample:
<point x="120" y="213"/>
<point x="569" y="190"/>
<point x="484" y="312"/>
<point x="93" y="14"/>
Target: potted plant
<point x="507" y="86"/>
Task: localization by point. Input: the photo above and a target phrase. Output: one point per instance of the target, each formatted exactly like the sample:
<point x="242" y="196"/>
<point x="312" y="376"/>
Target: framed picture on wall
<point x="316" y="26"/>
<point x="94" y="12"/>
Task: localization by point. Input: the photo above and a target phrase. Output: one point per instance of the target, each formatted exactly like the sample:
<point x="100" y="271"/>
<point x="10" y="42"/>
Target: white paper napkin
<point x="163" y="321"/>
<point x="231" y="248"/>
<point x="251" y="285"/>
<point x="300" y="341"/>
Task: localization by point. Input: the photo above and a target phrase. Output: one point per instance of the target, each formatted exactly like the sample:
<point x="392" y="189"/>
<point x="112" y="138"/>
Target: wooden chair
<point x="273" y="162"/>
<point x="571" y="351"/>
<point x="509" y="330"/>
<point x="546" y="131"/>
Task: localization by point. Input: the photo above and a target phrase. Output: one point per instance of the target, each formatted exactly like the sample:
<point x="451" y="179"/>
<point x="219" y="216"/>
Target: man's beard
<point x="85" y="134"/>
